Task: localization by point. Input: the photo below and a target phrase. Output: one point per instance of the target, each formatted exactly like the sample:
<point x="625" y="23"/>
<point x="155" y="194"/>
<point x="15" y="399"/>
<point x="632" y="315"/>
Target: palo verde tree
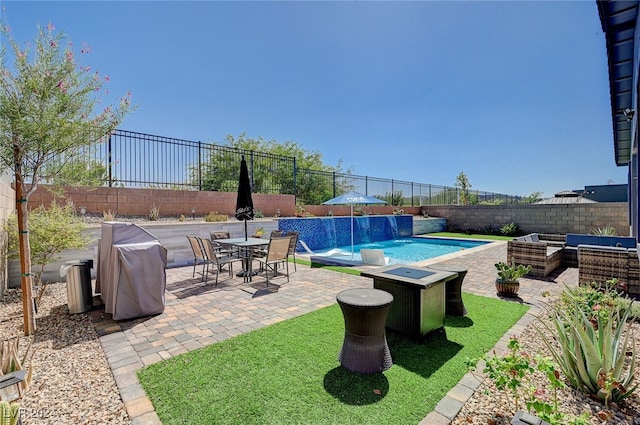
<point x="48" y="111"/>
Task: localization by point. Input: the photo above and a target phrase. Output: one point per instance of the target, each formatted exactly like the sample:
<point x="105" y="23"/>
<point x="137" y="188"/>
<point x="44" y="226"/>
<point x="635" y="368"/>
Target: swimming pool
<point x="403" y="250"/>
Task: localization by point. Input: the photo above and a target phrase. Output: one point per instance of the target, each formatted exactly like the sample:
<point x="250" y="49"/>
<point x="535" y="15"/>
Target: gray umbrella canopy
<point x="244" y="202"/>
<point x="353" y="198"/>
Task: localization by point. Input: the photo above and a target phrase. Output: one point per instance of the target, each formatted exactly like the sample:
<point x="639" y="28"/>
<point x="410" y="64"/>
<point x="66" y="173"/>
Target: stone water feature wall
<point x="329" y="232"/>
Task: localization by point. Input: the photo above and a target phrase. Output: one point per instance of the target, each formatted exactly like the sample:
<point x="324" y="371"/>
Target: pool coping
<point x="490" y="243"/>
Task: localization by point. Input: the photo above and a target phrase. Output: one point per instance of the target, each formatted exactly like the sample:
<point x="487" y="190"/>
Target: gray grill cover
<point x="130" y="275"/>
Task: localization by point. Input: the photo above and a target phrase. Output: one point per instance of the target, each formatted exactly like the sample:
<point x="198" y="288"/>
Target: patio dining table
<point x="246" y="248"/>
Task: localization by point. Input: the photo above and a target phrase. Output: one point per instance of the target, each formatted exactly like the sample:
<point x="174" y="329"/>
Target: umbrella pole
<point x="352" y="231"/>
<point x="245" y="230"/>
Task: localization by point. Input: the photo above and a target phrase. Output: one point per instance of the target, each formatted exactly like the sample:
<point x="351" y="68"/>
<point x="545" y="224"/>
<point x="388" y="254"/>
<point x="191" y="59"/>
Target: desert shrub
<point x="594" y="299"/>
<point x="154" y="212"/>
<point x="607" y="230"/>
<point x="51" y="231"/>
<point x="11" y="361"/>
<point x="593" y="340"/>
<point x="215" y="216"/>
<point x="509" y="229"/>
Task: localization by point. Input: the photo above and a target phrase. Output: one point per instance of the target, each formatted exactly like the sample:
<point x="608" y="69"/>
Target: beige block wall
<point x="576" y="218"/>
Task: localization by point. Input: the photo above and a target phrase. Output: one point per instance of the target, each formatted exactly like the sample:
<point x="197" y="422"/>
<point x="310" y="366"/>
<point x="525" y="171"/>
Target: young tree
<point x="462" y="183"/>
<point x="533" y="198"/>
<point x="47" y="111"/>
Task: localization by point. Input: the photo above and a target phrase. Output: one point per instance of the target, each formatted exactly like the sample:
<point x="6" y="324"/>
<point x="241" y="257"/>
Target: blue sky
<point x="513" y="93"/>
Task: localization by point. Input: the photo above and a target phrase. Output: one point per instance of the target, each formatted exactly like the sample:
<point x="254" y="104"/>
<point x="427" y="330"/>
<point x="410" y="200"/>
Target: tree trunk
<point x="28" y="307"/>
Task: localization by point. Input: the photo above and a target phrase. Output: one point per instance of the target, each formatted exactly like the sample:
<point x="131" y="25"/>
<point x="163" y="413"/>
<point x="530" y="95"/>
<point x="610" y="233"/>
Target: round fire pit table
<point x="453" y="289"/>
<point x="365" y="349"/>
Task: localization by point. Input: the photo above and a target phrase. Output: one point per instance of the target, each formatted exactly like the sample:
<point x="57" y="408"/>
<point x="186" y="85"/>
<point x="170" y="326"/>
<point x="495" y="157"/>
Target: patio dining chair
<point x="199" y="256"/>
<point x="277" y="253"/>
<point x="261" y="252"/>
<point x="293" y="242"/>
<point x="221" y="234"/>
<point x="216" y="260"/>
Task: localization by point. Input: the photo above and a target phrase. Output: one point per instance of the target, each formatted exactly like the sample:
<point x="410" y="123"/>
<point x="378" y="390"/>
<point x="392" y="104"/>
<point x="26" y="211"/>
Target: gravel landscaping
<point x="72" y="382"/>
<point x="493" y="407"/>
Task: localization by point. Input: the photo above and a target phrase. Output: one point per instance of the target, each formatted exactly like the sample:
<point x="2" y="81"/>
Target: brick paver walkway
<point x="198" y="314"/>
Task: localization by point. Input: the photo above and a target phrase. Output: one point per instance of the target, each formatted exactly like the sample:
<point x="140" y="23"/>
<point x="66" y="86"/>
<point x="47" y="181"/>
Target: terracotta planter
<point x="507" y="288"/>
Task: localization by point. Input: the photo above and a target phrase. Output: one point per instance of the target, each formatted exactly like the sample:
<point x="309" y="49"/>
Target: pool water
<point x="404" y="250"/>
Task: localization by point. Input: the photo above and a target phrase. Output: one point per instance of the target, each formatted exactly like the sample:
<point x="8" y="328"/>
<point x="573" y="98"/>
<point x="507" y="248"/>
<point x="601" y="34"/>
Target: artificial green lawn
<point x="288" y="373"/>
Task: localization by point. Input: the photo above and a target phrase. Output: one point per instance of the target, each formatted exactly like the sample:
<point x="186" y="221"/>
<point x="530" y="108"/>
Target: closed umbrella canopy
<point x="244" y="203"/>
<point x="351" y="198"/>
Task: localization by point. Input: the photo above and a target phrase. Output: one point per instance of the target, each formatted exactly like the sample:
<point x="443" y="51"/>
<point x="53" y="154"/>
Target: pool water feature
<point x="322" y="233"/>
<point x="403" y="250"/>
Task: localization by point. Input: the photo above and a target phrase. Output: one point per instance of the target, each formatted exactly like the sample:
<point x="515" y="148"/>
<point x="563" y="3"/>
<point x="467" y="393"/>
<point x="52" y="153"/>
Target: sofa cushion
<point x="621" y="241"/>
<point x="601" y="248"/>
<point x="574" y="239"/>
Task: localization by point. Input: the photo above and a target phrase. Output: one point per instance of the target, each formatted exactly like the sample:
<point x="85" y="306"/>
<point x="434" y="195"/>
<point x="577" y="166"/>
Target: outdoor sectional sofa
<point x="598" y="258"/>
<point x="570" y="251"/>
<point x="544" y="256"/>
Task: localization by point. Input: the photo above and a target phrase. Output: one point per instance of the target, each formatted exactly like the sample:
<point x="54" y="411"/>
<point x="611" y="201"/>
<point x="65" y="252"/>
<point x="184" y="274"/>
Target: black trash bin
<point x="79" y="293"/>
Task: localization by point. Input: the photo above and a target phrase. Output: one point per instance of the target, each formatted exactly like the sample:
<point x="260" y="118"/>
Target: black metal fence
<point x="131" y="159"/>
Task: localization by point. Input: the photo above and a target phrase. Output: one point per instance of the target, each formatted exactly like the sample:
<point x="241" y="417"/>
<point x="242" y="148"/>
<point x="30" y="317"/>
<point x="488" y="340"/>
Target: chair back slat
<point x="278" y="249"/>
<point x="196" y="246"/>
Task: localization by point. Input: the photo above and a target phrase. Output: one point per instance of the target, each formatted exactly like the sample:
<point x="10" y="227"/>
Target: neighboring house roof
<point x="567" y="200"/>
<point x="567" y="197"/>
<point x="618" y="20"/>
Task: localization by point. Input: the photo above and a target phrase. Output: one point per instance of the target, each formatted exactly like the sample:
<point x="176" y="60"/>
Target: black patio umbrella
<point x="244" y="203"/>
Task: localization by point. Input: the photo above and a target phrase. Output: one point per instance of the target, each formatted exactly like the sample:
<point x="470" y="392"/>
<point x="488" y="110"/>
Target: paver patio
<point x="199" y="314"/>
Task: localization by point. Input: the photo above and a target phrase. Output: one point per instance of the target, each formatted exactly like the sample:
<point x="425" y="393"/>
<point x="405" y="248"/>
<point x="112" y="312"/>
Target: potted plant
<point x="259" y="232"/>
<point x="507" y="282"/>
